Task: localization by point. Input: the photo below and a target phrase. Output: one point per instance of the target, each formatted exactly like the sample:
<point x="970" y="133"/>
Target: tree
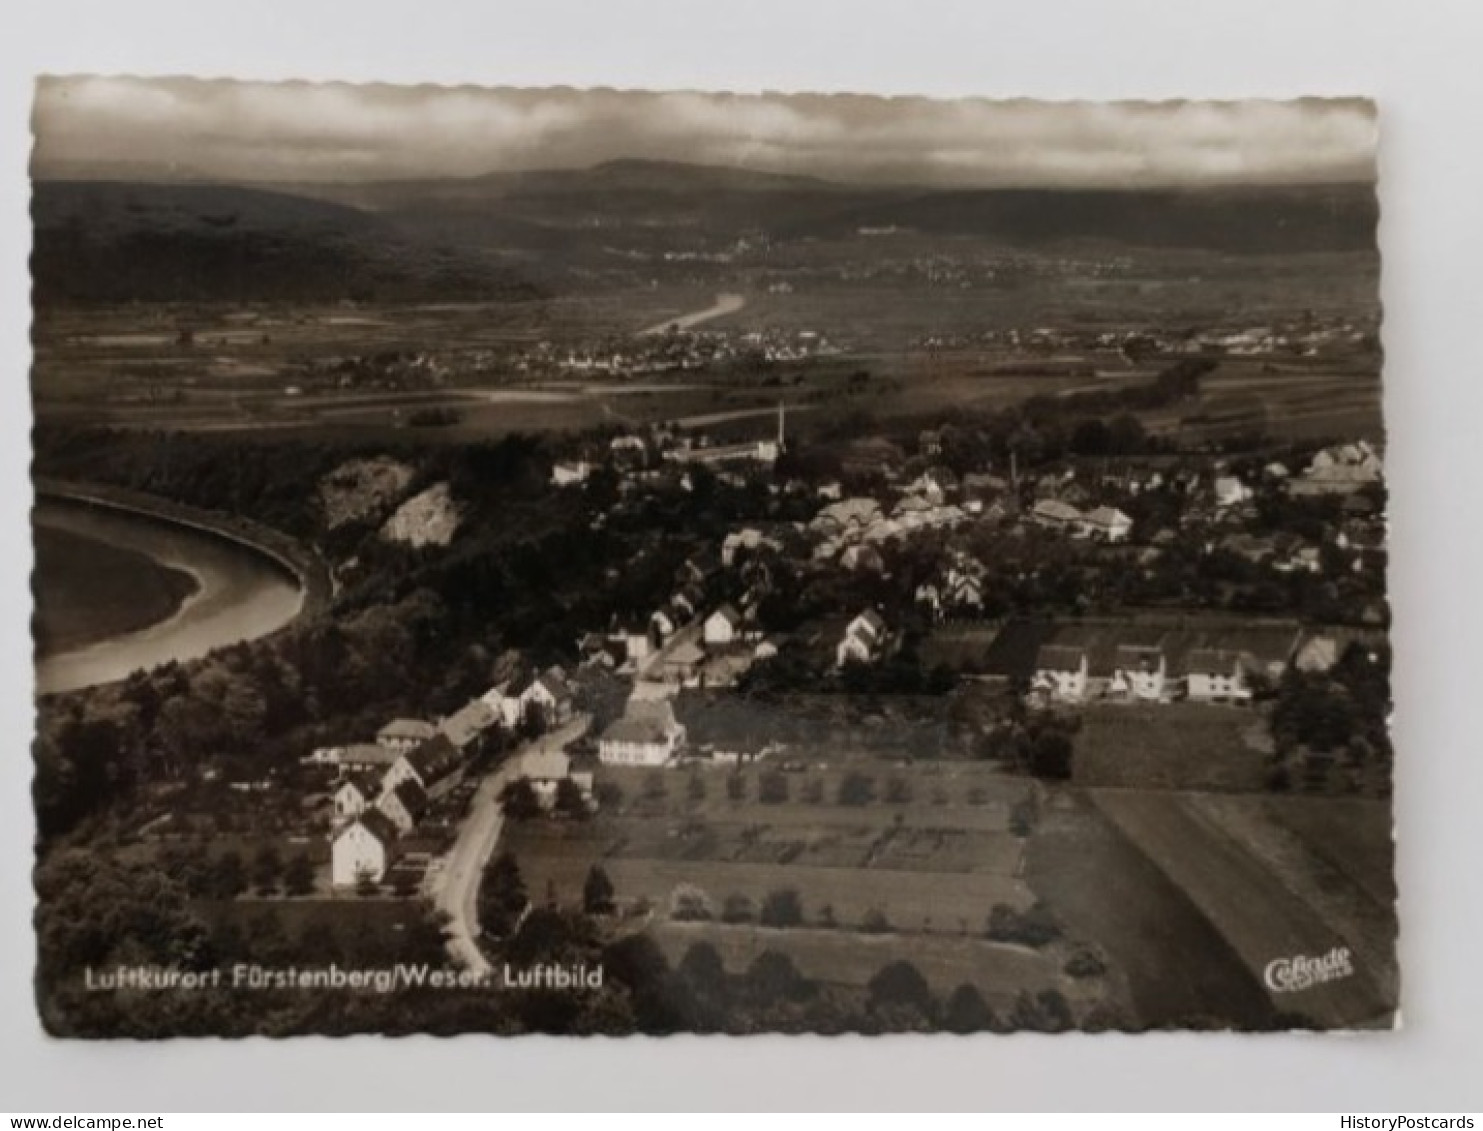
<point x="502" y="895"/>
<point x="772" y="787"/>
<point x="900" y="983"/>
<point x="856" y="788"/>
<point x="597" y="892"/>
<point x="773" y="977"/>
<point x="227" y="878"/>
<point x="688" y="903"/>
<point x="781" y="908"/>
<point x="967" y="1012"/>
<point x="737" y="909"/>
<point x="570" y="801"/>
<point x="519" y="802"/>
<point x="1035" y="926"/>
<point x="298" y="876"/>
<point x="703" y="969"/>
<point x="1050" y="755"/>
<point x="267" y="866"/>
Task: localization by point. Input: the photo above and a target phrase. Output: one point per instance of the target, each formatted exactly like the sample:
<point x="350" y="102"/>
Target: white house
<point x="1061" y="672"/>
<point x="1217" y="675"/>
<point x="1140" y="672"/>
<point x="363" y="849"/>
<point x="723" y="626"/>
<point x="646" y="735"/>
<point x="863" y="641"/>
<point x="547" y="692"/>
<point x="355" y="795"/>
<point x="1230" y="491"/>
<point x="1106" y="523"/>
<point x="567" y="472"/>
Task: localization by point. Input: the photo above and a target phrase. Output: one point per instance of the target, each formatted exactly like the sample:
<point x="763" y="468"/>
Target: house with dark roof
<point x="363" y="850"/>
<point x="1055" y="514"/>
<point x="405" y="805"/>
<point x="436" y="766"/>
<point x="1061" y="672"/>
<point x="647" y="735"/>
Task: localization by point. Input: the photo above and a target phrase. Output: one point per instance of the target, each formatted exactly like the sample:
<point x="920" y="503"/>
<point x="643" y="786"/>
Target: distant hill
<point x="517" y="235"/>
<point x="1242" y="220"/>
<point x="651" y="199"/>
<point x="105" y="241"/>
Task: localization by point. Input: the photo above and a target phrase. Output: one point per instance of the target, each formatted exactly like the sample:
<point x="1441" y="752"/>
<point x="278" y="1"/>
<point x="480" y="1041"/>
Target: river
<point x="240" y="595"/>
<point x="725" y="304"/>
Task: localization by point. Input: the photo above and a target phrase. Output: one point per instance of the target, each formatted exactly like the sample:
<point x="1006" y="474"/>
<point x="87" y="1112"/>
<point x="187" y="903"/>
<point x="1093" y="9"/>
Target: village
<point x="917" y="559"/>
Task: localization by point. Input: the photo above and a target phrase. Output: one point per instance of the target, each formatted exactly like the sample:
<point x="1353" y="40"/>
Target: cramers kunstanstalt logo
<point x="1302" y="972"/>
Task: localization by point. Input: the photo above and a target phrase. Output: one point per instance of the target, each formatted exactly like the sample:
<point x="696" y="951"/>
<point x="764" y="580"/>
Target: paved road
<point x="456" y="889"/>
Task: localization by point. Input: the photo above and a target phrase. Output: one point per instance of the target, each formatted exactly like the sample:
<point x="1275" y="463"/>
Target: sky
<point x="254" y="132"/>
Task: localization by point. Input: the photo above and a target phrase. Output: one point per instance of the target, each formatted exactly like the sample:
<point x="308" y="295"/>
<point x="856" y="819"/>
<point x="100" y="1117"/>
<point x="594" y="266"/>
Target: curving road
<point x="456" y="887"/>
<point x="724" y="305"/>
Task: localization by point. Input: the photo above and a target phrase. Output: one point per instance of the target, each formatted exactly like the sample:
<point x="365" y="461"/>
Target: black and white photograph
<point x="522" y="560"/>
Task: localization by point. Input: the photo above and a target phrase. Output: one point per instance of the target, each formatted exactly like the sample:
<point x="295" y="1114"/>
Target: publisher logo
<point x="1302" y="972"/>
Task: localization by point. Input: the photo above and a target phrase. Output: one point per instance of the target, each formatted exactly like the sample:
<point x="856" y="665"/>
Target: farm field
<point x="1179" y="970"/>
<point x="925" y="865"/>
<point x="1259" y="893"/>
<point x="1171" y="746"/>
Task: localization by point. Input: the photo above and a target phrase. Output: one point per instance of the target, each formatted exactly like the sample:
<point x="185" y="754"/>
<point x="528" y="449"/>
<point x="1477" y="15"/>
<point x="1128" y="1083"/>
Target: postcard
<point x="608" y="562"/>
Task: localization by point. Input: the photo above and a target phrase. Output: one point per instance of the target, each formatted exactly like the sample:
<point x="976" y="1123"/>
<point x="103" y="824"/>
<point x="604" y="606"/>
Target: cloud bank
<point x="283" y="132"/>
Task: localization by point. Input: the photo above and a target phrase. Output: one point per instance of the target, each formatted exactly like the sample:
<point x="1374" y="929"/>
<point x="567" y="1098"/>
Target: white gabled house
<point x="647" y="735"/>
<point x="1061" y="672"/>
<point x="863" y="642"/>
<point x="355" y="795"/>
<point x="724" y="626"/>
<point x="363" y="849"/>
<point x="1217" y="675"/>
<point x="1107" y="524"/>
<point x="1140" y="672"/>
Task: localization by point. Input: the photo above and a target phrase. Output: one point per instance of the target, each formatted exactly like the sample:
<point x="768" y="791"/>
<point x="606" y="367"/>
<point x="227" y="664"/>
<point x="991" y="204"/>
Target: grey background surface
<point x="1418" y="59"/>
